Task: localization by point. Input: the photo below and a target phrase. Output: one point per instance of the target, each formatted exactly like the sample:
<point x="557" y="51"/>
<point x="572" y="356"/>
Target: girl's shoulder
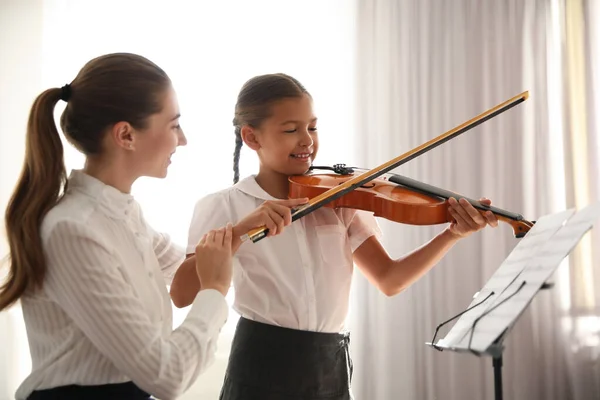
<point x="227" y="200"/>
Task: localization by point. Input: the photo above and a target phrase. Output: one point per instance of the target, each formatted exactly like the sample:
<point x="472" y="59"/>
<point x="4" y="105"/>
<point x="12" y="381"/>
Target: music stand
<point x="483" y="326"/>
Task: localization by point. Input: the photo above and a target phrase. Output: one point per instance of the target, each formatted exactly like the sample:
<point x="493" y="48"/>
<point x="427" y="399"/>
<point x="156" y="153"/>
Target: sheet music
<point x="538" y="270"/>
<point x="507" y="273"/>
<point x="533" y="261"/>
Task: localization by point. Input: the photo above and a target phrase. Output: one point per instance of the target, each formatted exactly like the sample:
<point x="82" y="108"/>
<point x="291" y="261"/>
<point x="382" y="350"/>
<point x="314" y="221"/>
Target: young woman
<point x="91" y="274"/>
<point x="292" y="291"/>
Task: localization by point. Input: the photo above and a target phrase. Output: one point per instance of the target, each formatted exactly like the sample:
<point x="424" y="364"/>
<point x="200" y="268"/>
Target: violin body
<point x="394" y="197"/>
<point x="384" y="198"/>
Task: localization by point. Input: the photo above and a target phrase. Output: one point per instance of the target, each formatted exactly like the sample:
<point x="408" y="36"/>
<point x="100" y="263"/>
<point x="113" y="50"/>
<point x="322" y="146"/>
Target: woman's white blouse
<point x="104" y="313"/>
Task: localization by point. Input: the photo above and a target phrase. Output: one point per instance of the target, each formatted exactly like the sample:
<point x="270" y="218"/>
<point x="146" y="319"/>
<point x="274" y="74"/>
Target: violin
<point x="395" y="197"/>
<point x="387" y="196"/>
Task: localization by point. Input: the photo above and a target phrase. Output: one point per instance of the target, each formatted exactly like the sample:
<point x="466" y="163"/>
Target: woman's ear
<point x="123" y="136"/>
<point x="249" y="137"/>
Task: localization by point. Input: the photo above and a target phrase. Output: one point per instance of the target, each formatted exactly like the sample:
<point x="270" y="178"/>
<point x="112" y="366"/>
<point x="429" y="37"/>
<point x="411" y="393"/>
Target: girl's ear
<point x="249" y="137"/>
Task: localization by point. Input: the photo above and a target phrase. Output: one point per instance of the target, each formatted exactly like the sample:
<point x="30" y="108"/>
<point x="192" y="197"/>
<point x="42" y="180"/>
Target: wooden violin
<point x="328" y="189"/>
<point x="394" y="197"/>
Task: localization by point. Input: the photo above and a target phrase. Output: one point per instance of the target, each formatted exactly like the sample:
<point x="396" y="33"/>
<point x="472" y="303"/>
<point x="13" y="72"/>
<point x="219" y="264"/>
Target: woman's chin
<point x="160" y="174"/>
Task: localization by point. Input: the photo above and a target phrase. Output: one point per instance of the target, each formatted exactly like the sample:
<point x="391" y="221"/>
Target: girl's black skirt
<point x="273" y="363"/>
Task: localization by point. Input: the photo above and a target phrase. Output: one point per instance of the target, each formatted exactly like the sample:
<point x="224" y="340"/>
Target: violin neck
<point x="446" y="194"/>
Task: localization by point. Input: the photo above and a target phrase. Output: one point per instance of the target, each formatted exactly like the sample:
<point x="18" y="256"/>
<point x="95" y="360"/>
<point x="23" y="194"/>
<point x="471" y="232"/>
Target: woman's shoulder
<point x="71" y="212"/>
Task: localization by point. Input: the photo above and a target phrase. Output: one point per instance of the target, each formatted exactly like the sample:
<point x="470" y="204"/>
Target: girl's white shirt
<point x="299" y="279"/>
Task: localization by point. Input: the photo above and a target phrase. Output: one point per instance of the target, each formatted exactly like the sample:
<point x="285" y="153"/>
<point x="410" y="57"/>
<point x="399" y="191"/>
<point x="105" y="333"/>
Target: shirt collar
<point x="111" y="200"/>
<point x="249" y="186"/>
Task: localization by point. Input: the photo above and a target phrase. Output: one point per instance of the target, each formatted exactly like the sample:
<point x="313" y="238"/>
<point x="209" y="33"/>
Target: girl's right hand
<point x="214" y="259"/>
<point x="274" y="214"/>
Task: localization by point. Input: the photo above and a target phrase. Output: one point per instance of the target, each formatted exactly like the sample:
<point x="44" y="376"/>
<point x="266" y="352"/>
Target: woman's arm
<point x="168" y="254"/>
<point x="86" y="281"/>
<point x="185" y="284"/>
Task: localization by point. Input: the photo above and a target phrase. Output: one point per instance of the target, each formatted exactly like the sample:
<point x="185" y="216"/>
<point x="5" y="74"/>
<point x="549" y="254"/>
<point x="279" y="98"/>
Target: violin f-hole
<point x="367" y="185"/>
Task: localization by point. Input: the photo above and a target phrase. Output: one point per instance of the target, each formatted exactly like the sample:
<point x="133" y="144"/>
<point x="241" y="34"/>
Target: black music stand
<point x="482" y="328"/>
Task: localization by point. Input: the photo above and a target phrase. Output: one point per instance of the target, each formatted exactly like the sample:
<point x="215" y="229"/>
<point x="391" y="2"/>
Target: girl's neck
<point x="274" y="183"/>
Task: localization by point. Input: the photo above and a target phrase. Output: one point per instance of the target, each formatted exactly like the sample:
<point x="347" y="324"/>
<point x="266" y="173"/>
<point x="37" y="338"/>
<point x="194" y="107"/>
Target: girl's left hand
<point x="467" y="219"/>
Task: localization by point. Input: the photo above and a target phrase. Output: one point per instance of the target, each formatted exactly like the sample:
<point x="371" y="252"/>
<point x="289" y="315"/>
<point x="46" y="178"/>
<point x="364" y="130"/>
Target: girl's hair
<point x="254" y="105"/>
<point x="107" y="90"/>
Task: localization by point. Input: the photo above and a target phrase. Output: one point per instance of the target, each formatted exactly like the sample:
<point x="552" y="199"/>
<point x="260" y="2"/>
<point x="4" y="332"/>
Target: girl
<point x="89" y="271"/>
<point x="292" y="291"/>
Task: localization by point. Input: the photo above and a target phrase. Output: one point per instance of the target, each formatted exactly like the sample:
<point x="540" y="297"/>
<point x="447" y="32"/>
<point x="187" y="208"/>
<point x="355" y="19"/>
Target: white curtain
<point x="425" y="66"/>
<point x="422" y="67"/>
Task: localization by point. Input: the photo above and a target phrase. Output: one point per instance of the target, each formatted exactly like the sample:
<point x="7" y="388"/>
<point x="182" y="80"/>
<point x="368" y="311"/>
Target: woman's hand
<point x="467" y="219"/>
<point x="214" y="259"/>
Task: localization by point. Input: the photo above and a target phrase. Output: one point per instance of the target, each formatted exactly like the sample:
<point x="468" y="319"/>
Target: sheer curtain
<point x="423" y="67"/>
<point x="209" y="49"/>
<point x="582" y="150"/>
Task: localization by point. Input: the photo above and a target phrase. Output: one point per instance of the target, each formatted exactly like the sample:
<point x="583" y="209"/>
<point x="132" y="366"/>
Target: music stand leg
<point x="497" y="363"/>
<point x="496" y="351"/>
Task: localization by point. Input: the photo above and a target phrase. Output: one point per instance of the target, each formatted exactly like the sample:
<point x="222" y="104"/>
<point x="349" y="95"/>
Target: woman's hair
<point x="107" y="90"/>
<point x="254" y="105"/>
